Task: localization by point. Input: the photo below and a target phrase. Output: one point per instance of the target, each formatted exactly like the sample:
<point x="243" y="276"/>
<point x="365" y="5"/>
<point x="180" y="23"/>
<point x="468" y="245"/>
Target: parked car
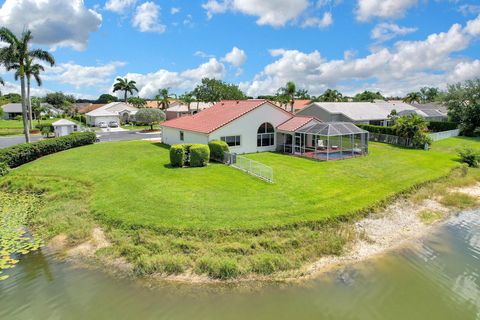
<point x="102" y="124"/>
<point x="113" y="124"/>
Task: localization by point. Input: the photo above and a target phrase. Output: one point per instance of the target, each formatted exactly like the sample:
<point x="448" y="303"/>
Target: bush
<point x="217" y="150"/>
<point x="46" y="130"/>
<point x="439" y="126"/>
<point x="199" y="155"/>
<point x="470" y="157"/>
<point x="177" y="156"/>
<point x="378" y="129"/>
<point x="4" y="169"/>
<point x="19" y="118"/>
<point x="19" y="154"/>
<point x="218" y="268"/>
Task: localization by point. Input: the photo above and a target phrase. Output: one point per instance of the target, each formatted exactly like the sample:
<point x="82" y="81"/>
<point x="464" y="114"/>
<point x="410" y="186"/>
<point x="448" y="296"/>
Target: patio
<point x="324" y="141"/>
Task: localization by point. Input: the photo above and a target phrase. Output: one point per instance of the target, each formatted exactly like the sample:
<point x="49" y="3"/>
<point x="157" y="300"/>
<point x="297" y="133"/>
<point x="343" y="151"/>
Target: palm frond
<point x="42" y="55"/>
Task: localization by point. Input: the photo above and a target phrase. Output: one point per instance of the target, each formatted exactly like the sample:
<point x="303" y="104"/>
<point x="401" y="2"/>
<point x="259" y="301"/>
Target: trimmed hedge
<point x="439" y="126"/>
<point x="19" y="154"/>
<point x="217" y="150"/>
<point x="177" y="155"/>
<point x="199" y="155"/>
<point x="378" y="129"/>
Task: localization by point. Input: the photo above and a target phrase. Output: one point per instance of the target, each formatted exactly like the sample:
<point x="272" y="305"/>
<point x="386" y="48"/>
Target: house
<point x="64" y="127"/>
<point x="12" y="110"/>
<point x="259" y="125"/>
<point x="120" y="112"/>
<point x="433" y="111"/>
<point x="178" y="109"/>
<point x="246" y="125"/>
<point x="374" y="113"/>
<point x="298" y="105"/>
<point x="84" y="108"/>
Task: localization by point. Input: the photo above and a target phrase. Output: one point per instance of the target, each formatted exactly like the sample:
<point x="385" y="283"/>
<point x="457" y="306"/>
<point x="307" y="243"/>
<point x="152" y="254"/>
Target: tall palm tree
<point x="413" y="97"/>
<point x="123" y="84"/>
<point x="1" y="83"/>
<point x="163" y="98"/>
<point x="290" y="90"/>
<point x="331" y="96"/>
<point x="187" y="98"/>
<point x="31" y="69"/>
<point x="14" y="57"/>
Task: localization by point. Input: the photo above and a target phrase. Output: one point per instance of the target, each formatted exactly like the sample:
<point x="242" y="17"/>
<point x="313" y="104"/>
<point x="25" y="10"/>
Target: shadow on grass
<point x="161" y="145"/>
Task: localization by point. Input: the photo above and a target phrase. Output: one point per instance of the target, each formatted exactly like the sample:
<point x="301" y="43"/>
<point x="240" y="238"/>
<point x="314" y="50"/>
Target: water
<point x="434" y="278"/>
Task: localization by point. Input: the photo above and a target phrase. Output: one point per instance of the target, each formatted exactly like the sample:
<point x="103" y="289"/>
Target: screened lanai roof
<point x="331" y="129"/>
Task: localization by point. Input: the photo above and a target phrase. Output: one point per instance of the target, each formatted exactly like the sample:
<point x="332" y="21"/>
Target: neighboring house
<point x="178" y="109"/>
<point x="64" y="127"/>
<point x="120" y="112"/>
<point x="374" y="113"/>
<point x="12" y="110"/>
<point x="246" y="125"/>
<point x="433" y="111"/>
<point x="84" y="108"/>
<point x="297" y="105"/>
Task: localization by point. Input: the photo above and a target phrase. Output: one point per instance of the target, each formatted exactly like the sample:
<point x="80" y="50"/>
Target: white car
<point x="113" y="124"/>
<point x="102" y="124"/>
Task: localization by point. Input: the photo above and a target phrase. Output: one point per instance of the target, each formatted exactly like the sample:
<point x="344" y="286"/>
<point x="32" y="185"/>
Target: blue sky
<point x="394" y="46"/>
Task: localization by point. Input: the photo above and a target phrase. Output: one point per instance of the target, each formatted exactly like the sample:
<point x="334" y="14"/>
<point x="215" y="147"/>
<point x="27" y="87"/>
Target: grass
<point x="135" y="127"/>
<point x="15" y="127"/>
<point x="459" y="200"/>
<point x="430" y="216"/>
<point x="217" y="220"/>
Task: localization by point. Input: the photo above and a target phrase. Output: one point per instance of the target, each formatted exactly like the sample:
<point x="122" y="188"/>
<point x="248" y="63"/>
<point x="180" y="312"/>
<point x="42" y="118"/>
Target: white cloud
<point x="236" y="57"/>
<point x="323" y="22"/>
<point x="386" y="31"/>
<point x="273" y="12"/>
<point x="468" y="9"/>
<point x="203" y="54"/>
<point x="119" y="6"/>
<point x="148" y="84"/>
<point x="147" y="18"/>
<point x="406" y="66"/>
<point x="391" y="9"/>
<point x="473" y="27"/>
<point x="56" y="23"/>
<point x="174" y="10"/>
<point x="82" y="76"/>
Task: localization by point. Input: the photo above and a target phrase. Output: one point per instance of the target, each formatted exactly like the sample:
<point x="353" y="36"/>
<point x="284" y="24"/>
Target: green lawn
<point x="135" y="127"/>
<point x="15" y="127"/>
<point x="131" y="183"/>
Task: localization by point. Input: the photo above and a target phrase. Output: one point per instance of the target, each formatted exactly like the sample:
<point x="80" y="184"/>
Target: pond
<point x="437" y="277"/>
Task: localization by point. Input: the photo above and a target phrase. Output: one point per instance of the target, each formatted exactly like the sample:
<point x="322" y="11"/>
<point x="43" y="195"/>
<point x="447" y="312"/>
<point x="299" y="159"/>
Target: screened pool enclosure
<point x="324" y="140"/>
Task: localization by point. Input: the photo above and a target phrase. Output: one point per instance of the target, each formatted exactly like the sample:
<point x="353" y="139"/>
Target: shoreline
<point x="380" y="232"/>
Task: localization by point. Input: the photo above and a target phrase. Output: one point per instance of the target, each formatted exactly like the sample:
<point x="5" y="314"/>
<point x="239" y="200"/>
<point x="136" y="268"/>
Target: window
<point x="232" y="141"/>
<point x="265" y="135"/>
<point x="181" y="136"/>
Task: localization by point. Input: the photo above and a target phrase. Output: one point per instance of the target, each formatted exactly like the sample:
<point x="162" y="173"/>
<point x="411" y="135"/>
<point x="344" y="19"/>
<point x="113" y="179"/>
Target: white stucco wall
<point x="61" y="131"/>
<point x="247" y="127"/>
<point x="171" y="136"/>
<point x="93" y="121"/>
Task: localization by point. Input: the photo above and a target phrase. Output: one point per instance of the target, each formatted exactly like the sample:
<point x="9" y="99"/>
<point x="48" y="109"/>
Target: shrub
<point x="46" y="130"/>
<point x="18" y="118"/>
<point x="378" y="129"/>
<point x="19" y="154"/>
<point x="439" y="126"/>
<point x="217" y="150"/>
<point x="199" y="155"/>
<point x="470" y="157"/>
<point x="218" y="268"/>
<point x="4" y="169"/>
<point x="177" y="156"/>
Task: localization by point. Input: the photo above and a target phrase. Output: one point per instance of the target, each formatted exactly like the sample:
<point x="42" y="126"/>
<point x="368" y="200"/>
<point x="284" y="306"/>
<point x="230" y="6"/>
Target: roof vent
<point x="238" y="102"/>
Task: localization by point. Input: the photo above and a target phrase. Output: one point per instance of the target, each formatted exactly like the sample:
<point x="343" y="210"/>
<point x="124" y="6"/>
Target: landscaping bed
<point x="216" y="221"/>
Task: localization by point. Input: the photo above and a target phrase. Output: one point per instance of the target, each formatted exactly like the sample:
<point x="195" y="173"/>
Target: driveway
<point x="117" y="129"/>
<point x="103" y="136"/>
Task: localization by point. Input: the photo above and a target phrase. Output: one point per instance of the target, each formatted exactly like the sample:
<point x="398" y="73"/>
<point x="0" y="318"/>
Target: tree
<point x="213" y="90"/>
<point x="149" y="117"/>
<point x="463" y="103"/>
<point x="163" y="98"/>
<point x="106" y="98"/>
<point x="302" y="94"/>
<point x="137" y="102"/>
<point x="37" y="108"/>
<point x="289" y="91"/>
<point x="14" y="57"/>
<point x="429" y="94"/>
<point x="1" y="83"/>
<point x="123" y="84"/>
<point x="413" y="97"/>
<point x="13" y="97"/>
<point x="187" y="98"/>
<point x="61" y="101"/>
<point x="331" y="96"/>
<point x="413" y="127"/>
<point x="368" y="96"/>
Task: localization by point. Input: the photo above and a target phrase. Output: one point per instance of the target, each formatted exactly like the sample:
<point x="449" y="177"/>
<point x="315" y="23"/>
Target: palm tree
<point x="31" y="69"/>
<point x="413" y="97"/>
<point x="187" y="98"/>
<point x="163" y="98"/>
<point x="14" y="57"/>
<point x="1" y="83"/>
<point x="331" y="96"/>
<point x="290" y="90"/>
<point x="123" y="84"/>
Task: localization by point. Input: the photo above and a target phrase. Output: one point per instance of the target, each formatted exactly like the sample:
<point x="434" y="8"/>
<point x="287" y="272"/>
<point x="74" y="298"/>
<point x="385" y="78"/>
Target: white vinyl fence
<point x="250" y="166"/>
<point x="444" y="134"/>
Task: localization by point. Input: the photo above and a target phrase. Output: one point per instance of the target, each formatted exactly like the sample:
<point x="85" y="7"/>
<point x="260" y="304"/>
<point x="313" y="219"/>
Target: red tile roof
<point x="295" y="123"/>
<point x="217" y="116"/>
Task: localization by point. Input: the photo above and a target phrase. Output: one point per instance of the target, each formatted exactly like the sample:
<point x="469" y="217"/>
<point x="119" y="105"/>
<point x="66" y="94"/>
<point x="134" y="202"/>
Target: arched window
<point x="265" y="135"/>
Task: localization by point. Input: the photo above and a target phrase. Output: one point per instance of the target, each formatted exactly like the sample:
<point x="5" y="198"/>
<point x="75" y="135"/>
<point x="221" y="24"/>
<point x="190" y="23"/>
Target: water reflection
<point x="435" y="278"/>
